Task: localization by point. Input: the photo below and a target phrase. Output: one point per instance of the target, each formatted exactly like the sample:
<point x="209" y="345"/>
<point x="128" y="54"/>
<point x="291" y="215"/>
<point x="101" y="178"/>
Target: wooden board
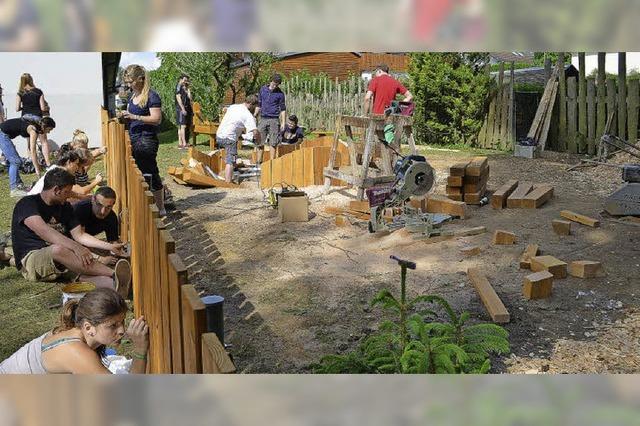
<point x="453" y="190"/>
<point x="477" y="166"/>
<point x="538" y="197"/>
<point x="265" y="175"/>
<point x="308" y="175"/>
<point x="458" y="169"/>
<point x="194" y="324"/>
<point x="298" y="168"/>
<point x="215" y="359"/>
<point x="474" y="197"/>
<point x="287" y="168"/>
<point x="575" y="217"/>
<point x="276" y="171"/>
<point x="198" y="180"/>
<point x="456" y="181"/>
<point x="177" y="278"/>
<point x="532" y="250"/>
<point x="499" y="198"/>
<point x="440" y="204"/>
<point x="490" y="299"/>
<point x="514" y="201"/>
<point x="537" y="285"/>
<point x="321" y="156"/>
<point x="549" y="263"/>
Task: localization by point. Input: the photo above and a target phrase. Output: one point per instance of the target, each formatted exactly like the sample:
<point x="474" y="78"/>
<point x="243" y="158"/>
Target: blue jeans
<point x="9" y="150"/>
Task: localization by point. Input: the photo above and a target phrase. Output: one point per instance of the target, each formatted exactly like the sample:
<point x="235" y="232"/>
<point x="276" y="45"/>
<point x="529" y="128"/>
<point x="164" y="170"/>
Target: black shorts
<point x="145" y="151"/>
<point x="184" y="119"/>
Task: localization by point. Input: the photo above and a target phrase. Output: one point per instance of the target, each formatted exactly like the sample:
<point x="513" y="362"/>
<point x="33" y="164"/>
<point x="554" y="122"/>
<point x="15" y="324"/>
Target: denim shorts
<point x="230" y="148"/>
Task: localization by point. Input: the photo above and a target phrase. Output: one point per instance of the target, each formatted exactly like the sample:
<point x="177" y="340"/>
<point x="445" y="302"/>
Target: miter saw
<point x="626" y="200"/>
<point x="414" y="177"/>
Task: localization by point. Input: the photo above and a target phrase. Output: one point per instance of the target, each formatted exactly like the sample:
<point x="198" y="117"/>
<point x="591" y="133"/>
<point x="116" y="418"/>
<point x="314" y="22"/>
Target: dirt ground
<point x="297" y="291"/>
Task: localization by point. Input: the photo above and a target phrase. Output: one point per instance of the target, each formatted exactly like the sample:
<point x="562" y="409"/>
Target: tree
<point x="451" y="92"/>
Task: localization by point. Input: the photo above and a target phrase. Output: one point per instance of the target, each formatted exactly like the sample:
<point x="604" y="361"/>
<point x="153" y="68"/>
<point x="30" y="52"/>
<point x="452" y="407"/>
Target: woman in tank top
<point x="78" y="344"/>
<point x="31" y="104"/>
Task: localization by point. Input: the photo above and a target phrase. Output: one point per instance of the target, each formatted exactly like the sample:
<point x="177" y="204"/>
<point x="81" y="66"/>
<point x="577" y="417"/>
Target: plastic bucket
<point x="76" y="290"/>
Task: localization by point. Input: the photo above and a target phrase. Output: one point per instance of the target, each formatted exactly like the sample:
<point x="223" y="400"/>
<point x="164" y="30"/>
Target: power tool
<point x="626" y="200"/>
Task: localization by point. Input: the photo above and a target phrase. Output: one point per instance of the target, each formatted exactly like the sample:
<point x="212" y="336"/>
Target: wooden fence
<point x="497" y="131"/>
<point x="319" y="100"/>
<point x="179" y="342"/>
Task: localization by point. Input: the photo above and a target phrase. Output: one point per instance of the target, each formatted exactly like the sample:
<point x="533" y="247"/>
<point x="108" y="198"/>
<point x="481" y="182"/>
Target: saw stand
<point x="359" y="174"/>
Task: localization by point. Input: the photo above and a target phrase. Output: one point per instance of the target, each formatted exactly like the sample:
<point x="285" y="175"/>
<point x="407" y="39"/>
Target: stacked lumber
<point x="542" y="120"/>
<point x="202" y="170"/>
<point x="527" y="195"/>
<point x="467" y="181"/>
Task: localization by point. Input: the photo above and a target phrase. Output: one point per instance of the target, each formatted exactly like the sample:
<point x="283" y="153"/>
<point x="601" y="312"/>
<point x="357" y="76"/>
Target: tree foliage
<point x="451" y="92"/>
<point x="211" y="75"/>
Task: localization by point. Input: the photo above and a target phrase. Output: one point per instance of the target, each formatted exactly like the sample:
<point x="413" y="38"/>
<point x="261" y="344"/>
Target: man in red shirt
<point x="383" y="88"/>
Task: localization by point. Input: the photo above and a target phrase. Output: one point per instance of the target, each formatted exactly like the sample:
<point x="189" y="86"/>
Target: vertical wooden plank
<point x="177" y="278"/>
<point x="194" y="323"/>
<point x="562" y="106"/>
<point x="215" y="359"/>
<point x="167" y="247"/>
<point x="321" y="157"/>
<point x="504" y="118"/>
<point x="156" y="334"/>
<point x="298" y="168"/>
<point x="622" y="95"/>
<point x="572" y="118"/>
<point x="265" y="175"/>
<point x="591" y="115"/>
<point x="612" y="107"/>
<point x="582" y="104"/>
<point x="498" y="117"/>
<point x="601" y="110"/>
<point x="512" y="131"/>
<point x="632" y="112"/>
<point x="287" y="168"/>
<point x="309" y="177"/>
<point x="276" y="171"/>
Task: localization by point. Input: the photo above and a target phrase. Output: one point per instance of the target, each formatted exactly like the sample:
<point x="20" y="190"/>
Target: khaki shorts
<point x="38" y="265"/>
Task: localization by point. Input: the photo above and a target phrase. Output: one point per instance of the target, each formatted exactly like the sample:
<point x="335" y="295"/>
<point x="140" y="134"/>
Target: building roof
<point x="512" y="56"/>
<point x="534" y="75"/>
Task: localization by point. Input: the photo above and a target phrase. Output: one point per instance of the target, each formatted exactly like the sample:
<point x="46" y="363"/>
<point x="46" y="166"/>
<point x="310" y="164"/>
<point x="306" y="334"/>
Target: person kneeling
<point x="78" y="344"/>
<point x="42" y="251"/>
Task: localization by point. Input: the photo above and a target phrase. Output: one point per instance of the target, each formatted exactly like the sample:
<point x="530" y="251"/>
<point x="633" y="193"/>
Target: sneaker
<point x="122" y="277"/>
<point x="17" y="193"/>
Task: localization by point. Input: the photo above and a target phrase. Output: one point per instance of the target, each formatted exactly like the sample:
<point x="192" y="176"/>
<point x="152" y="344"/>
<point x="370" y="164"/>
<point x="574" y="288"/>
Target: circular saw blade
<point x="422" y="177"/>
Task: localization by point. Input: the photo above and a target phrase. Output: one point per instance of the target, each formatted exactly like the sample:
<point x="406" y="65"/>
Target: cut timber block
<point x="454" y="197"/>
<point x="440" y="204"/>
<point x="360" y="206"/>
<point x="470" y="251"/>
<point x="196" y="179"/>
<point x="342" y="221"/>
<point x="490" y="299"/>
<point x="575" y="217"/>
<point x="477" y="166"/>
<point x="453" y="190"/>
<point x="499" y="198"/>
<point x="515" y="199"/>
<point x="549" y="263"/>
<point x="458" y="169"/>
<point x="538" y="285"/>
<point x="537" y="197"/>
<point x="472" y="180"/>
<point x="561" y="227"/>
<point x="474" y="198"/>
<point x="531" y="251"/>
<point x="585" y="269"/>
<point x="455" y="181"/>
<point x="470" y="231"/>
<point x="504" y="238"/>
<point x="419" y="203"/>
<point x="471" y="188"/>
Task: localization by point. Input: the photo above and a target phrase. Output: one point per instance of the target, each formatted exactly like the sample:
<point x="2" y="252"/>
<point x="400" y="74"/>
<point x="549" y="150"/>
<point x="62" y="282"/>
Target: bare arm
<point x="256" y="135"/>
<point x="407" y="96"/>
<point x="179" y="99"/>
<point x="90" y="241"/>
<point x="81" y="359"/>
<point x="155" y="116"/>
<point x="367" y="102"/>
<point x="50" y="235"/>
<point x="256" y="113"/>
<point x="43" y="103"/>
<point x="18" y="103"/>
<point x="283" y="119"/>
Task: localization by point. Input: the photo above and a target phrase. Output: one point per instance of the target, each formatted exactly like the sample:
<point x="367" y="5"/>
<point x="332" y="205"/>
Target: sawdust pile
<point x="615" y="350"/>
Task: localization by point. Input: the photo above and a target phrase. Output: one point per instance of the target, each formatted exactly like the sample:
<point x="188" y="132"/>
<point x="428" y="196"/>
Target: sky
<point x="149" y="60"/>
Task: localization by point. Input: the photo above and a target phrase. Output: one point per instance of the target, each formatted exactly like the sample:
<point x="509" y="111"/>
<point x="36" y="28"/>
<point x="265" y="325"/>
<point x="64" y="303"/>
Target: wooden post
<point x="194" y="324"/>
<point x="177" y="278"/>
<point x="572" y="123"/>
<point x="491" y="122"/>
<point x="504" y="121"/>
<point x="562" y="98"/>
<point x="582" y="104"/>
<point x="214" y="357"/>
<point x="622" y="95"/>
<point x="611" y="103"/>
<point x="547" y="67"/>
<point x="512" y="110"/>
<point x="591" y="116"/>
<point x="632" y="111"/>
<point x="167" y="247"/>
<point x="601" y="110"/>
<point x="496" y="127"/>
<point x="369" y="149"/>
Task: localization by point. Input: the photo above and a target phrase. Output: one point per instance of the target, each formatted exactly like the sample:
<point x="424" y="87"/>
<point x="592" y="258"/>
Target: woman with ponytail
<point x="31" y="104"/>
<point x="145" y="115"/>
<point x="78" y="344"/>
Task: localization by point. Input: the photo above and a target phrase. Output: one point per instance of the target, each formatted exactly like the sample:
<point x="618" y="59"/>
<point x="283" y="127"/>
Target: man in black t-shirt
<point x="42" y="251"/>
<point x="96" y="215"/>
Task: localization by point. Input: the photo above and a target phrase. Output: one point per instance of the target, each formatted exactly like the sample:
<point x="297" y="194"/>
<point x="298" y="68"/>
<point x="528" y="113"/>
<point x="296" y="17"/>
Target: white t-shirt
<point x="235" y="120"/>
<point x="37" y="187"/>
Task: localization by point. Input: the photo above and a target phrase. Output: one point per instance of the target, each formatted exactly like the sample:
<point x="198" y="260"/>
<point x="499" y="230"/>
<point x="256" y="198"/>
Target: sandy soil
<point x="297" y="291"/>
